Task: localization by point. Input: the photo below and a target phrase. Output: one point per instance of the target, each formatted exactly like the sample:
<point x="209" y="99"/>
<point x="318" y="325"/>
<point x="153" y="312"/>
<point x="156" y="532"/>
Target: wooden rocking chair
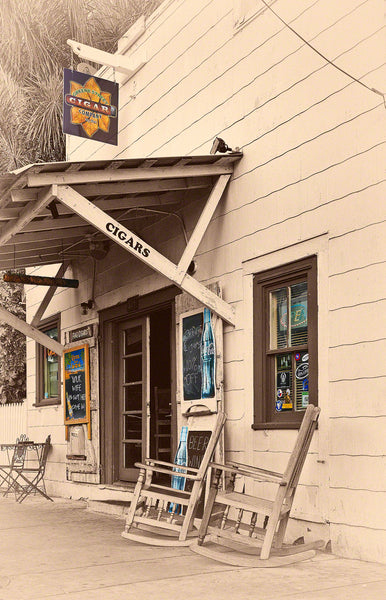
<point x="161" y="515"/>
<point x="240" y="544"/>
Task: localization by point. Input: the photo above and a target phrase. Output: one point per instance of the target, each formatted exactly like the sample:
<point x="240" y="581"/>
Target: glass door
<point x="134" y="396"/>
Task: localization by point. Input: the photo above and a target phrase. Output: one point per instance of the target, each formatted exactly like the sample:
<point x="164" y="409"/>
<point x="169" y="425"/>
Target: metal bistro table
<point x="23" y="473"/>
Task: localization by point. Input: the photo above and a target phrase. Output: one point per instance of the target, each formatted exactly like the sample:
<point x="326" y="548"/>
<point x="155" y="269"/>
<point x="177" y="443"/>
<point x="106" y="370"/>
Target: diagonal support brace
<point x="28" y="213"/>
<point x="30" y="331"/>
<point x="202" y="224"/>
<point x="141" y="250"/>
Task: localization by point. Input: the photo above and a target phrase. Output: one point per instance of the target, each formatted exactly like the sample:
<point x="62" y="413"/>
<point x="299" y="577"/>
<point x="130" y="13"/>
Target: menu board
<point x="191" y="359"/>
<point x="76" y="385"/>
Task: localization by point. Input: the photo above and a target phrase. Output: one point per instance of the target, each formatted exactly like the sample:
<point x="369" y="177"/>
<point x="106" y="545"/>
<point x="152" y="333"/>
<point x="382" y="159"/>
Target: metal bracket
<point x="122" y="64"/>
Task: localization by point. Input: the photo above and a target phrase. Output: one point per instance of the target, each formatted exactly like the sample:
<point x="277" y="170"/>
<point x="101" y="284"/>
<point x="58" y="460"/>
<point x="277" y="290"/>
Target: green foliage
<point x="12" y="346"/>
<point x="33" y="53"/>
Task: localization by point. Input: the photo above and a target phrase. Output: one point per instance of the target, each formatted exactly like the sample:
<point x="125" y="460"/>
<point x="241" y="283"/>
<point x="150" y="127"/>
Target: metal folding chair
<point x="16" y="463"/>
<point x="28" y="480"/>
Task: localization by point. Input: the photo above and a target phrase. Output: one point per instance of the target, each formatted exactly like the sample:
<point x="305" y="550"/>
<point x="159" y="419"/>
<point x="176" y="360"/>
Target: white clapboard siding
<point x="313" y="145"/>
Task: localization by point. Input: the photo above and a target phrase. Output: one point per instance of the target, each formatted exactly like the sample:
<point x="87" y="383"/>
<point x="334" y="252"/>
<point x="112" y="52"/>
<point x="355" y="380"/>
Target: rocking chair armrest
<point x="252" y="472"/>
<point x="258" y="470"/>
<point x="176" y="473"/>
<point x="163" y="463"/>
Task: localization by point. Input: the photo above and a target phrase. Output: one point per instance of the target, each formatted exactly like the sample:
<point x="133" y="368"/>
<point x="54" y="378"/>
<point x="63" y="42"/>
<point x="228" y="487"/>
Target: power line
<point x="371" y="89"/>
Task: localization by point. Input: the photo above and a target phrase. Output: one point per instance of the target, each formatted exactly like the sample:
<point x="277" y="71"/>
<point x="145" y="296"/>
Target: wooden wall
<point x="310" y="182"/>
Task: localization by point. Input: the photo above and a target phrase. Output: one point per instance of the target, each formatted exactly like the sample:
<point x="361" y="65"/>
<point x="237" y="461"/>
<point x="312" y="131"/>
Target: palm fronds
<point x="33" y="53"/>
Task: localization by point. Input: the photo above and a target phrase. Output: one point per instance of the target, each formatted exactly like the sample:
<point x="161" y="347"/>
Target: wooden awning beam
<point x="30" y="331"/>
<point x="136" y="246"/>
<point x="113" y="175"/>
<point x="124" y="188"/>
<point x="115" y="203"/>
<point x="27" y="214"/>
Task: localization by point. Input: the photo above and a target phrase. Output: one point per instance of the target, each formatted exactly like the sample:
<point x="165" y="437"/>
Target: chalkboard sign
<point x="76" y="385"/>
<point x="196" y="445"/>
<point x="191" y="359"/>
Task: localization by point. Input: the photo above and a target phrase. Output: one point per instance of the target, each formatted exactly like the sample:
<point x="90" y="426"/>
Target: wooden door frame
<point x="109" y="320"/>
<point x="144" y="323"/>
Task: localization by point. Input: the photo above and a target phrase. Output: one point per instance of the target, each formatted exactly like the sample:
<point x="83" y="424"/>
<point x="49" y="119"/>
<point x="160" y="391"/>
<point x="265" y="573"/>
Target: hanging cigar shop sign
<point x="90" y="107"/>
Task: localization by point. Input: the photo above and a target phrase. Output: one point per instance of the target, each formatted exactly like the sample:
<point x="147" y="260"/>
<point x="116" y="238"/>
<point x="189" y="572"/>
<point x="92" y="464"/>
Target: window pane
<point x="279" y="318"/>
<point x="284" y="379"/>
<point x="132" y="427"/>
<point x="131" y="453"/>
<point x="133" y="397"/>
<point x="133" y="340"/>
<point x="301" y="380"/>
<point x="299" y="317"/>
<point x="133" y="369"/>
<point x="50" y="367"/>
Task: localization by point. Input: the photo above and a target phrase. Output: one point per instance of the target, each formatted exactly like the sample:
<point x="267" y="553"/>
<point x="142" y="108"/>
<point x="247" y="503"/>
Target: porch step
<point x="117" y="508"/>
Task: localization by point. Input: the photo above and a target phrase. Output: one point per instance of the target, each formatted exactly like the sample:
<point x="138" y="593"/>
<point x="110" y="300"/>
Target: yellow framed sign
<point x="76" y="384"/>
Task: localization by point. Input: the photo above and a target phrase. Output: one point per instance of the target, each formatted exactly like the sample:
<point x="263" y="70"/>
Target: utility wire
<point x="325" y="57"/>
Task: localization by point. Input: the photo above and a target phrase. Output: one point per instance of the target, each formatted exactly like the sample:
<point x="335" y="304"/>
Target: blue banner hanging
<point x="90" y="107"/>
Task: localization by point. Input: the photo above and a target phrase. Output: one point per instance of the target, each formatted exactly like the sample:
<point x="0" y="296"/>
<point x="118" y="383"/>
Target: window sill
<point x="44" y="403"/>
<point x="286" y="425"/>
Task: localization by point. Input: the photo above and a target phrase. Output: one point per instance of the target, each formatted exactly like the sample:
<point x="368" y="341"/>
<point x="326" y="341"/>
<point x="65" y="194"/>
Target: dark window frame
<point x="265" y="416"/>
<point x="45" y="325"/>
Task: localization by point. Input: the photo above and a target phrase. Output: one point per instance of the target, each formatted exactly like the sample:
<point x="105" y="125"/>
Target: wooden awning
<point x="51" y="211"/>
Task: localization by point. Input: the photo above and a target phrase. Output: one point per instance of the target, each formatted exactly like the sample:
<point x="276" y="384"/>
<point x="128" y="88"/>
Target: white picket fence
<point x="13" y="421"/>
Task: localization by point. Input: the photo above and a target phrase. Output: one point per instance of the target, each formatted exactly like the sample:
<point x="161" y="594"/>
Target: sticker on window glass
<point x="283" y="379"/>
<point x="279" y="405"/>
<point x="287" y="402"/>
<point x="302" y="371"/>
<point x="283" y="362"/>
<point x="297" y="356"/>
<point x="304" y="399"/>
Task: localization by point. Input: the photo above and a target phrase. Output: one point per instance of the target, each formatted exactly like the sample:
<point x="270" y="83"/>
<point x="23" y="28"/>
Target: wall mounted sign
<point x="76" y="370"/>
<point x="198" y="356"/>
<point x="191" y="361"/>
<point x="90" y="107"/>
<point x="39" y="280"/>
<point x="82" y="333"/>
